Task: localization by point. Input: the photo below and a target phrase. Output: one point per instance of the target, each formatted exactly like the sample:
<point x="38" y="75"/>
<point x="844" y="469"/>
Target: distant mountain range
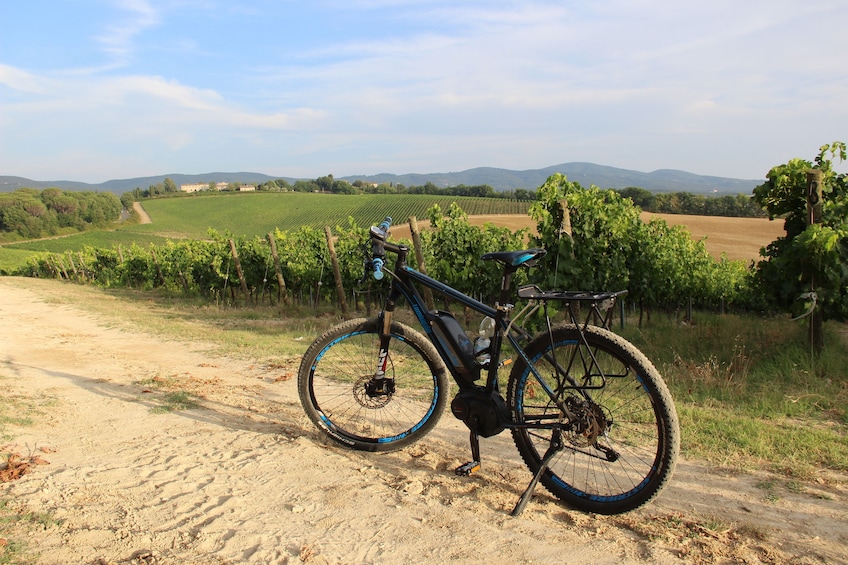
<point x="587" y="174"/>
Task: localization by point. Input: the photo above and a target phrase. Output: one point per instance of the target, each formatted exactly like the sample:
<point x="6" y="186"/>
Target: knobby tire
<point x="333" y="379"/>
<point x="621" y="449"/>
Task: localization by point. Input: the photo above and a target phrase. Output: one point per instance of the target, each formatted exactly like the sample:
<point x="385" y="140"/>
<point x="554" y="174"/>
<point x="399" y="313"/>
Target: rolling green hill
<point x="259" y="213"/>
<point x="252" y="214"/>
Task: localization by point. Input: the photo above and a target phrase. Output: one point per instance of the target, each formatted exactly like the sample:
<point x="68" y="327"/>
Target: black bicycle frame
<point x="481" y="407"/>
<point x="403" y="278"/>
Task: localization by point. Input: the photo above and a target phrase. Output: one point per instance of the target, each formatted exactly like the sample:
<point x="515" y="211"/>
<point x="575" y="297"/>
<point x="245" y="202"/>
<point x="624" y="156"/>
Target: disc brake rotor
<point x="367" y="395"/>
<point x="590" y="424"/>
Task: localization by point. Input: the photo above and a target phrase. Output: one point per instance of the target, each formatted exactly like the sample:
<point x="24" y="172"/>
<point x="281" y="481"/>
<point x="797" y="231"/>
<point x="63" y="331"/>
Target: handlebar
<point x="385" y="224"/>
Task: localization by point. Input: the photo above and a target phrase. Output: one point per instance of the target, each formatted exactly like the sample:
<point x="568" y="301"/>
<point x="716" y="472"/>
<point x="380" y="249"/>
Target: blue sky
<point x="92" y="90"/>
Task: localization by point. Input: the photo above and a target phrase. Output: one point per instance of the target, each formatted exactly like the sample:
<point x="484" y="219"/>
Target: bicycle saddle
<point x="515" y="258"/>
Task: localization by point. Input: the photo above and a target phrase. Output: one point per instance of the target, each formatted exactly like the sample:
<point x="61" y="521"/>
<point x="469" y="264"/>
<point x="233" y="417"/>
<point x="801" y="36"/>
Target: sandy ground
<point x="244" y="477"/>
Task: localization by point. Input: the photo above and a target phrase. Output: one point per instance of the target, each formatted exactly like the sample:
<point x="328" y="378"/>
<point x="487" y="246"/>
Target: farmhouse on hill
<point x="196" y="187"/>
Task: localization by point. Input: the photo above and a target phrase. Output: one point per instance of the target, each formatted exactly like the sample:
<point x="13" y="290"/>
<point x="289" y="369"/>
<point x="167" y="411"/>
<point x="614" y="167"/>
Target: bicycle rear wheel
<point x="619" y="449"/>
<point x="337" y="390"/>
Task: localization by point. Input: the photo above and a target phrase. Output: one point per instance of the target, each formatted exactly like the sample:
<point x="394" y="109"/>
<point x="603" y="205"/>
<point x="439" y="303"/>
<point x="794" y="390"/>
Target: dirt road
<point x="242" y="477"/>
<point x="143" y="216"/>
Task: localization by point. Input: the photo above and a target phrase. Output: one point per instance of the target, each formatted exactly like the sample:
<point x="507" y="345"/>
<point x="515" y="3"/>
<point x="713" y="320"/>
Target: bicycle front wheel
<point x="339" y="392"/>
<point x="619" y="444"/>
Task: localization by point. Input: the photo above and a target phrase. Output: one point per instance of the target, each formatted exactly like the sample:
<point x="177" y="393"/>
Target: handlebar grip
<point x="381" y="232"/>
<point x="377" y="264"/>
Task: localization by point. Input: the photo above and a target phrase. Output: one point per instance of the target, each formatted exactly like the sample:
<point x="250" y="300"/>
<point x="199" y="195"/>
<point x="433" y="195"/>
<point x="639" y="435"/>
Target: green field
<point x="259" y="213"/>
<point x="14" y="255"/>
<point x="252" y="214"/>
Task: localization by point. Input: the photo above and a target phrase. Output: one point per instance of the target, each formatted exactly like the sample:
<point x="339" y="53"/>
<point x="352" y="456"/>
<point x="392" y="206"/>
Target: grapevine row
<point x="608" y="248"/>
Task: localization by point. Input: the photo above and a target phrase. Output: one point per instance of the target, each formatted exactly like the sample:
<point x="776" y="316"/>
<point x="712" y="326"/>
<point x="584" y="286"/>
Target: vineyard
<point x="250" y="259"/>
<point x="247" y="214"/>
<point x="256" y="214"/>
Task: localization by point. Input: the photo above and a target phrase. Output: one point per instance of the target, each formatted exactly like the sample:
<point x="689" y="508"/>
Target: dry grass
<point x="739" y="238"/>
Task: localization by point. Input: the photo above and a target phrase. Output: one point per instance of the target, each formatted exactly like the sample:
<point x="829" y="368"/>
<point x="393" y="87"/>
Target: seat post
<point x="506" y="281"/>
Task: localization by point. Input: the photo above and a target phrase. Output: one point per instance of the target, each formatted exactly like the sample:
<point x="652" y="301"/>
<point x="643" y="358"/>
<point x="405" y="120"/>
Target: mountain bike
<point x="589" y="414"/>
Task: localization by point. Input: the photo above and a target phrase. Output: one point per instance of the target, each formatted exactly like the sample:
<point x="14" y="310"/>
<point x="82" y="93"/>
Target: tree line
<point x="330" y="184"/>
<point x="739" y="205"/>
<point x="35" y="213"/>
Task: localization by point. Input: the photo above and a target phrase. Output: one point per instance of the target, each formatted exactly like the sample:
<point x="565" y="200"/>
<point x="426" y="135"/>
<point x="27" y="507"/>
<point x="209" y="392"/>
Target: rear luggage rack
<point x="600" y="303"/>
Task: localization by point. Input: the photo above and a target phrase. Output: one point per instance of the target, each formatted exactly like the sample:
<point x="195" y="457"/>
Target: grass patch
<point x="17" y="410"/>
<point x="12" y="259"/>
<point x="16" y="525"/>
<point x="791" y="447"/>
<point x="258" y="213"/>
<point x="13" y="256"/>
<point x="7" y="418"/>
<point x="173" y="399"/>
<point x="769" y="489"/>
<point x="750" y="395"/>
<point x="79" y="241"/>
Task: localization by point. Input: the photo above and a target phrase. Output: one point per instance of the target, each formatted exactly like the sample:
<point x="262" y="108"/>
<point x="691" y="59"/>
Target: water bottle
<point x="483" y="341"/>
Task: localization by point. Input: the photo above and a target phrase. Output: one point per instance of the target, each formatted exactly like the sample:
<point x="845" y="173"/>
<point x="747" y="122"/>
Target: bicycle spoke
<point x="338" y="386"/>
<point x="619" y="430"/>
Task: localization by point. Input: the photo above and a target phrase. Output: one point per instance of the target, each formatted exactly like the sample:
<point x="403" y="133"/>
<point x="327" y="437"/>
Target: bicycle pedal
<point x="468" y="468"/>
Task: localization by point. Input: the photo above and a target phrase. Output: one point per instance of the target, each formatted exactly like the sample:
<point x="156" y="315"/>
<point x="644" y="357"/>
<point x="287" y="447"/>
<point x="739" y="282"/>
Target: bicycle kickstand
<point x="472" y="466"/>
<point x="555" y="447"/>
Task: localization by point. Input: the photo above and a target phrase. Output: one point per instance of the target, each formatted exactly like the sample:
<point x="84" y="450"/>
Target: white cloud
<point x="20" y="80"/>
<point x="117" y="39"/>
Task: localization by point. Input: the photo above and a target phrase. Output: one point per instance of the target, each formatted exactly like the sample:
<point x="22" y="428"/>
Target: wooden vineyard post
<point x="121" y="259"/>
<point x="336" y="272"/>
<point x="814" y="211"/>
<point x="565" y="227"/>
<point x="419" y="258"/>
<point x="83" y="267"/>
<point x="281" y="283"/>
<point x="565" y="232"/>
<point x="158" y="267"/>
<point x="48" y="262"/>
<point x="73" y="266"/>
<point x="239" y="271"/>
<point x="62" y="271"/>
